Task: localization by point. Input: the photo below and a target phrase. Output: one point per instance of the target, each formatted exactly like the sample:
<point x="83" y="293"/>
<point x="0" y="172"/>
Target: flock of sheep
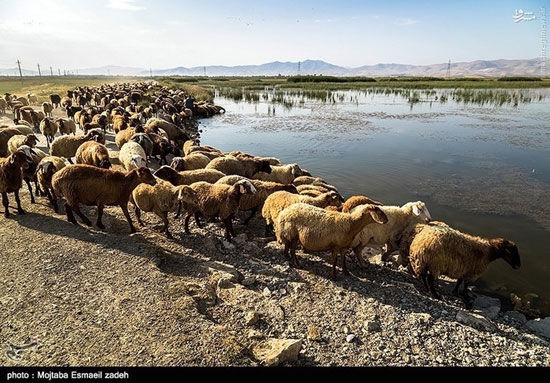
<point x="152" y="122"/>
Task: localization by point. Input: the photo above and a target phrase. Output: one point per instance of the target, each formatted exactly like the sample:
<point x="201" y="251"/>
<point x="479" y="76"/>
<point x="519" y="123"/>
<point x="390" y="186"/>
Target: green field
<point x="203" y="87"/>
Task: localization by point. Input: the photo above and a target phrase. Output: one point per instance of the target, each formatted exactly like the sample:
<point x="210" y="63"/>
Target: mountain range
<point x="478" y="68"/>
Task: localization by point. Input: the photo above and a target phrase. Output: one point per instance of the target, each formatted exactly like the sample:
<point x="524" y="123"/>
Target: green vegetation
<point x="329" y="79"/>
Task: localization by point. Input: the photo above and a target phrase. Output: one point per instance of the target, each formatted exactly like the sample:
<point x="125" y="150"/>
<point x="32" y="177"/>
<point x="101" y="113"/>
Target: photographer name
<point x="62" y="375"/>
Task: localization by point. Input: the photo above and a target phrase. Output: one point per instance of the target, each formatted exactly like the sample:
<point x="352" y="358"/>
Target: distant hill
<point x="478" y="68"/>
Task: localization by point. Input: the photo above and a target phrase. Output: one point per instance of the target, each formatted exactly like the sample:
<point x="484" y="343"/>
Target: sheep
<point x="119" y="123"/>
<point x="20" y="139"/>
<point x="219" y="200"/>
<point x="48" y="128"/>
<point x="161" y="199"/>
<point x="246" y="167"/>
<point x="92" y="186"/>
<point x="190" y="162"/>
<point x="5" y="135"/>
<point x="123" y="136"/>
<point x="318" y="229"/>
<point x="145" y="142"/>
<point x="256" y="201"/>
<point x="47" y="167"/>
<point x="436" y="249"/>
<point x="101" y="120"/>
<point x="11" y="178"/>
<point x="3" y="106"/>
<point x="399" y="218"/>
<point x="161" y="147"/>
<point x="66" y="126"/>
<point x="33" y="99"/>
<point x="66" y="103"/>
<point x="322" y="188"/>
<point x="278" y="201"/>
<point x="174" y="133"/>
<point x="357" y="200"/>
<point x="306" y="180"/>
<point x="189" y="176"/>
<point x="93" y="153"/>
<point x="282" y="174"/>
<point x="55" y="99"/>
<point x="132" y="155"/>
<point x="66" y="146"/>
<point x="47" y="109"/>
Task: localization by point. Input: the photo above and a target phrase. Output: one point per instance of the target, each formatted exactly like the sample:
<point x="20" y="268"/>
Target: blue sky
<point x="163" y="34"/>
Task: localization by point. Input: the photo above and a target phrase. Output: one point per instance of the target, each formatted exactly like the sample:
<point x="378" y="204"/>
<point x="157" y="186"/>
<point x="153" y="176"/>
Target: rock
<point x="210" y="244"/>
<point x="474" y="320"/>
<point x="255" y="334"/>
<point x="372" y="326"/>
<point x="313" y="333"/>
<point x="482" y="302"/>
<point x="266" y="292"/>
<point x="240" y="239"/>
<point x="540" y="326"/>
<point x="489" y="312"/>
<point x="225" y="283"/>
<point x="248" y="281"/>
<point x="516" y="316"/>
<point x="350" y="338"/>
<point x="251" y="318"/>
<point x="273" y="352"/>
<point x="228" y="245"/>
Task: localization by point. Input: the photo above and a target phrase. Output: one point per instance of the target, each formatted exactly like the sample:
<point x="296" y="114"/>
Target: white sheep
<point x="132" y="156"/>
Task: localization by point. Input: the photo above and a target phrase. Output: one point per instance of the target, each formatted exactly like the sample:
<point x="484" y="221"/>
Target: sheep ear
<point x="242" y="189"/>
<point x="416" y="210"/>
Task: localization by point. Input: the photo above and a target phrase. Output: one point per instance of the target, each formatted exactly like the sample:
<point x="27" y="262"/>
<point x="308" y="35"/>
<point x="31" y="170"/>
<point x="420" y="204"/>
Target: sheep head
<point x="420" y="209"/>
<point x="375" y="213"/>
<point x="31" y="140"/>
<point x="264" y="166"/>
<point x="21" y="159"/>
<point x="333" y="199"/>
<point x="245" y="187"/>
<point x="167" y="173"/>
<point x="144" y="175"/>
<point x="187" y="194"/>
<point x="105" y="163"/>
<point x="506" y="250"/>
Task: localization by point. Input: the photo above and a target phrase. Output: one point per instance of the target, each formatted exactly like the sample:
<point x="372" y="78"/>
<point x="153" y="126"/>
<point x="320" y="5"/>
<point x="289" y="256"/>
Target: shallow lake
<point x="483" y="167"/>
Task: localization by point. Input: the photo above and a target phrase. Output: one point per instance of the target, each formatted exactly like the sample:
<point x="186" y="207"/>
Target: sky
<point x="170" y="33"/>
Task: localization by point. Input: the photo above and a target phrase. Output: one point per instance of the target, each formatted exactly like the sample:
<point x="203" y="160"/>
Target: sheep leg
<point x="78" y="212"/>
<point x="18" y="201"/>
<point x="467" y="298"/>
<point x="344" y="265"/>
<point x="99" y="216"/>
<point x="293" y="256"/>
<point x="124" y="208"/>
<point x="197" y="220"/>
<point x="251" y="216"/>
<point x="70" y="161"/>
<point x="286" y="251"/>
<point x="431" y="284"/>
<point x="30" y="190"/>
<point x="38" y="190"/>
<point x="179" y="211"/>
<point x="357" y="252"/>
<point x="187" y="218"/>
<point x="228" y="229"/>
<point x="52" y="200"/>
<point x="388" y="250"/>
<point x="137" y="210"/>
<point x="165" y="228"/>
<point x="5" y="202"/>
<point x="268" y="230"/>
<point x="334" y="260"/>
<point x="70" y="215"/>
<point x="457" y="287"/>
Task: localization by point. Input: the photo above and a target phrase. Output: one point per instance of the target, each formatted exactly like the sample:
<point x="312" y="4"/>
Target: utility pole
<point x="299" y="68"/>
<point x="39" y="73"/>
<point x="51" y="71"/>
<point x="59" y="71"/>
<point x="151" y="72"/>
<point x="448" y="75"/>
<point x="204" y="71"/>
<point x="20" y="74"/>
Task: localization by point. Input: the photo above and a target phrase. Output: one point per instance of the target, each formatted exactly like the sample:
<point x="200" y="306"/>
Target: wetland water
<point x="481" y="163"/>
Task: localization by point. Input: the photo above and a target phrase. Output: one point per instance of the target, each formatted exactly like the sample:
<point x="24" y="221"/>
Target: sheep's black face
<point x="265" y="167"/>
<point x="509" y="252"/>
<point x="145" y="176"/>
<point x="166" y="173"/>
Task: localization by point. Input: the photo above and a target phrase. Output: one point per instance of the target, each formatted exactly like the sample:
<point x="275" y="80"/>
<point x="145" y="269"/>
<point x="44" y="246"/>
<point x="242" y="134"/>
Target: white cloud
<point x="127" y="5"/>
<point x="405" y="21"/>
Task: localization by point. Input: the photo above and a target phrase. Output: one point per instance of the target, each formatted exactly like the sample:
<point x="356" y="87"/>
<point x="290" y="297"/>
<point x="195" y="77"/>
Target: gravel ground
<point x="110" y="298"/>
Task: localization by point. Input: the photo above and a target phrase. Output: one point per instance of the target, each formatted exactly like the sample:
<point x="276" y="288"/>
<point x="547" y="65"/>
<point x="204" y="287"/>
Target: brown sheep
<point x="66" y="146"/>
<point x="357" y="200"/>
<point x="93" y="153"/>
<point x="246" y="167"/>
<point x="92" y="186"/>
<point x="189" y="176"/>
<point x="47" y="167"/>
<point x="11" y="179"/>
<point x="219" y="200"/>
